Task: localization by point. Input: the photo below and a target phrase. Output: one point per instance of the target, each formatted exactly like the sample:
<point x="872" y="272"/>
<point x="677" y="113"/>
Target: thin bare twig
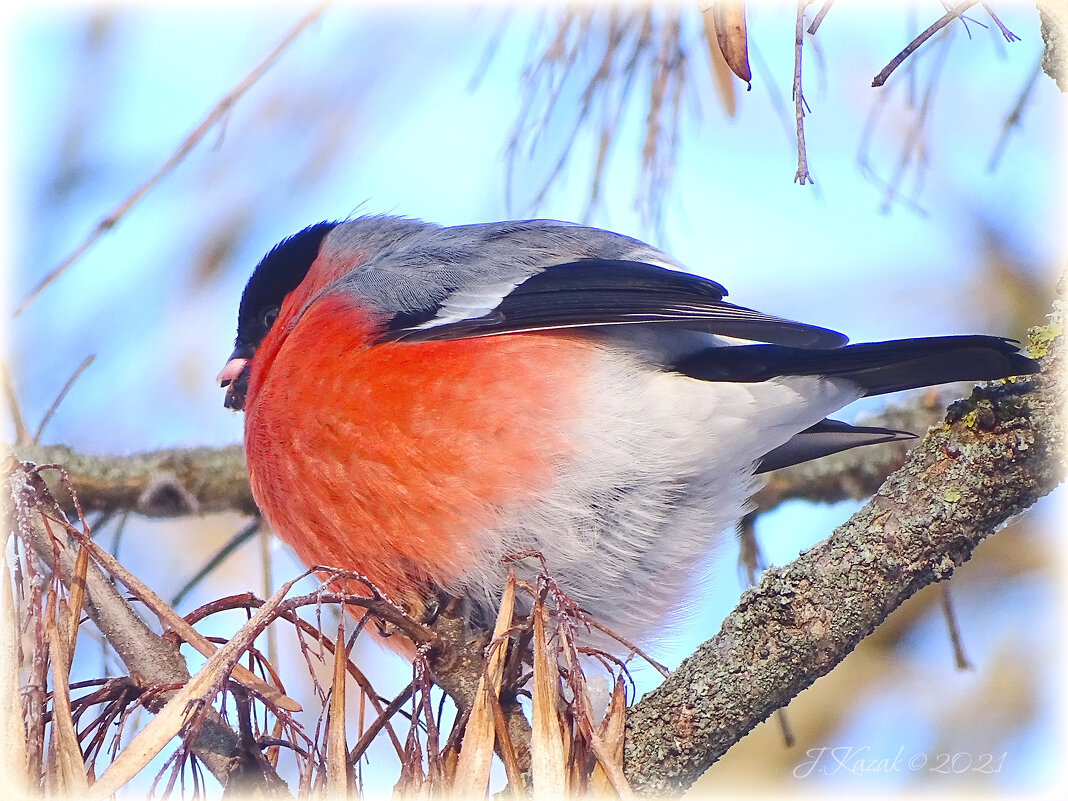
<point x="220" y="110"/>
<point x="22" y="435"/>
<point x="288" y="613"/>
<point x="914" y="45"/>
<point x="177" y="714"/>
<point x="59" y="398"/>
<point x="802" y="175"/>
<point x="174" y="621"/>
<point x="1009" y="35"/>
<point x="216" y="559"/>
<point x="814" y="26"/>
<point x="959" y="656"/>
<point x="600" y="76"/>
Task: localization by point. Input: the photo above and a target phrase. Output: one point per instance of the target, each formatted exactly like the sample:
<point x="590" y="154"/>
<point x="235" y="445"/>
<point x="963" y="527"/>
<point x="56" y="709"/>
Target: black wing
<point x="826" y="437"/>
<point x="599" y="292"/>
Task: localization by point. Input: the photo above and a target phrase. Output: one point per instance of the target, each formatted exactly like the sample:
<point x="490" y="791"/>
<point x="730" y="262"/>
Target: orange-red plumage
<point x="361" y="456"/>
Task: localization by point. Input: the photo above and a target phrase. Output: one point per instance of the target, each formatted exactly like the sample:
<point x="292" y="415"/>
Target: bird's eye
<point x="268" y="315"/>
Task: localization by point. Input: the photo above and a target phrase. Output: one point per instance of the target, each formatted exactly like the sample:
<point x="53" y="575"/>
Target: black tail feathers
<point x="878" y="367"/>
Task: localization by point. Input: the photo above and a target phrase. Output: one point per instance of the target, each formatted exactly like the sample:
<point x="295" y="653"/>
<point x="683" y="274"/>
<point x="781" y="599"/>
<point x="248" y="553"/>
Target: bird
<point x="421" y="402"/>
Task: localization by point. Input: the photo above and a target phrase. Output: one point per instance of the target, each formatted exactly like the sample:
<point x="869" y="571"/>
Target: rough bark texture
<point x="165" y="483"/>
<point x="999" y="452"/>
<point x="1053" y="15"/>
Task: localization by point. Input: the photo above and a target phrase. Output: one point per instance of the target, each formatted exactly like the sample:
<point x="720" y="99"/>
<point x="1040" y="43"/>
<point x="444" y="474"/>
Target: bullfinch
<point x="421" y="402"/>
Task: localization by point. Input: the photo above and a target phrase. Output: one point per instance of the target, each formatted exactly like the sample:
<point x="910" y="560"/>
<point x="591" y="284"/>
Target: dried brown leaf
<point x="77" y="596"/>
<point x="611" y="733"/>
<point x="174" y="715"/>
<point x="722" y="81"/>
<point x="728" y="17"/>
<point x="548" y="765"/>
<point x="512" y="768"/>
<point x="70" y="767"/>
<point x="337" y="749"/>
<point x="13" y="754"/>
<point x="450" y="760"/>
<point x="583" y="715"/>
<point x="476" y="754"/>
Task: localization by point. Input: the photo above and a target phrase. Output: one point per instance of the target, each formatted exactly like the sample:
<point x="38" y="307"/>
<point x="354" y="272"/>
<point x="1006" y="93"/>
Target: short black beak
<point x="236" y="390"/>
<point x="234" y="376"/>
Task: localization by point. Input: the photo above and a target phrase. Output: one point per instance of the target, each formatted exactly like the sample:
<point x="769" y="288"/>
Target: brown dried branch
<point x="186" y="708"/>
<point x="151" y="659"/>
<point x="382" y="721"/>
<point x="176" y="624"/>
<point x="455" y="656"/>
<point x="595" y="86"/>
<point x="1002" y="450"/>
<point x="218" y="112"/>
<point x="286" y="612"/>
<point x="607" y="89"/>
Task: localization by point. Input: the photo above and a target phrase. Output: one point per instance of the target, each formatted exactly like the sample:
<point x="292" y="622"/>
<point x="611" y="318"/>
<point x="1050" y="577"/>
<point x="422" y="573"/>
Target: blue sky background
<point x="372" y="110"/>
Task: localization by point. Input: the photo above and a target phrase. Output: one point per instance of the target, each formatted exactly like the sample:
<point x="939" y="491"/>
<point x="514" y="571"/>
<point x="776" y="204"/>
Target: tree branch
<point x="950" y="15"/>
<point x="176" y="482"/>
<point x="1000" y="451"/>
<point x="165" y="483"/>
